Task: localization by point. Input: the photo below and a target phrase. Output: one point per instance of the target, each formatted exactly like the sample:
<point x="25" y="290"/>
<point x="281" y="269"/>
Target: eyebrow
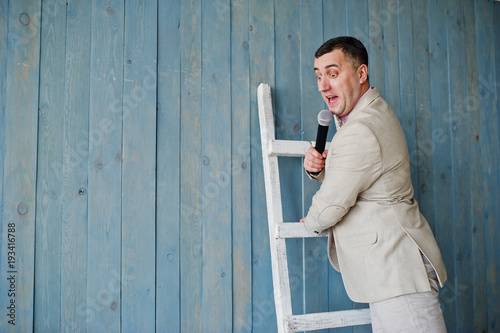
<point x="328" y="66"/>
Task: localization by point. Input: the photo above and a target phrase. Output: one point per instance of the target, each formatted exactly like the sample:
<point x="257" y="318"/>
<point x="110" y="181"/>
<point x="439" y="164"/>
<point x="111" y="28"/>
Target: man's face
<point x="338" y="82"/>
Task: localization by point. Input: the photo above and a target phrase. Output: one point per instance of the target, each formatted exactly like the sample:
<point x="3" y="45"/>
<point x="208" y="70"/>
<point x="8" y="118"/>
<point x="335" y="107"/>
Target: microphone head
<point x="325" y="118"/>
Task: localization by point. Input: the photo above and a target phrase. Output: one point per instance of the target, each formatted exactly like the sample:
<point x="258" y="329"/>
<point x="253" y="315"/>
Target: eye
<point x="333" y="74"/>
<point x="318" y="77"/>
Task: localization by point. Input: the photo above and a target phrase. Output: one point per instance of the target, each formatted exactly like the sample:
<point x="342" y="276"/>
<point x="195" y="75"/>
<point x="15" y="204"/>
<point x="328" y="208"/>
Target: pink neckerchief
<point x="344" y="117"/>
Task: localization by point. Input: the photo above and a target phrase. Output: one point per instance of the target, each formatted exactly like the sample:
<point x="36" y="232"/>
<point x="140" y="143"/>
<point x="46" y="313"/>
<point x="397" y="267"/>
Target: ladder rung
<point x="296" y="230"/>
<point x="317" y="321"/>
<point x="290" y="148"/>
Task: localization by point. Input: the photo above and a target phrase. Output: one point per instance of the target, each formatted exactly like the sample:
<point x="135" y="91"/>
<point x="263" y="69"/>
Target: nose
<point x="323" y="85"/>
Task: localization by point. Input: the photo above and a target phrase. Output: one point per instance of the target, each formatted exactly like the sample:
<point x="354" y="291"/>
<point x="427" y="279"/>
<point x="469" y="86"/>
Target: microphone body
<point x="321" y="138"/>
<point x="325" y="118"/>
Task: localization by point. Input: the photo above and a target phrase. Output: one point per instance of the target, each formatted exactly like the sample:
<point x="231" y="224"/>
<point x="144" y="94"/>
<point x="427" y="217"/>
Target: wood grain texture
<point x="241" y="168"/>
<point x="49" y="180"/>
<point x="489" y="154"/>
<point x="422" y="156"/>
<point x="442" y="159"/>
<point x="168" y="170"/>
<point x="495" y="282"/>
<point x="407" y="102"/>
<point x="262" y="69"/>
<point x="216" y="170"/>
<point x="4" y="22"/>
<point x="76" y="312"/>
<point x="20" y="162"/>
<point x="288" y="127"/>
<point x="139" y="168"/>
<point x="191" y="233"/>
<point x="374" y="30"/>
<point x="478" y="276"/>
<point x="389" y="22"/>
<point x="104" y="277"/>
<point x="461" y="172"/>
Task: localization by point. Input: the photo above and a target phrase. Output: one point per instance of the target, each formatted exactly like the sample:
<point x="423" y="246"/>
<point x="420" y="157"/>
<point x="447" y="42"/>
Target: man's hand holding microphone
<point x="314" y="159"/>
<point x="314" y="162"/>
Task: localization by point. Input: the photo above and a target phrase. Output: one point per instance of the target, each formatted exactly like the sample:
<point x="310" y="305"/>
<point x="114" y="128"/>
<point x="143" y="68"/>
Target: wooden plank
<point x="441" y="141"/>
<point x="391" y="61"/>
<point x="75" y="311"/>
<point x="317" y="321"/>
<point x="495" y="231"/>
<point x="262" y="60"/>
<point x="139" y="168"/>
<point x="422" y="156"/>
<point x="478" y="307"/>
<point x="241" y="171"/>
<point x="338" y="26"/>
<point x="278" y="249"/>
<point x="19" y="165"/>
<point x="485" y="34"/>
<point x="168" y="168"/>
<point x="315" y="261"/>
<point x="496" y="83"/>
<point x="356" y="18"/>
<point x="374" y="28"/>
<point x="461" y="173"/>
<point x="191" y="164"/>
<point x="216" y="171"/>
<point x="105" y="164"/>
<point x="4" y="24"/>
<point x="407" y="79"/>
<point x="47" y="312"/>
<point x="288" y="126"/>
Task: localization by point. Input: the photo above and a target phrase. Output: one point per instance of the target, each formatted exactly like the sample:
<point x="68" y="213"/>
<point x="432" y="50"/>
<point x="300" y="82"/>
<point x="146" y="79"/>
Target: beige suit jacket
<point x="376" y="231"/>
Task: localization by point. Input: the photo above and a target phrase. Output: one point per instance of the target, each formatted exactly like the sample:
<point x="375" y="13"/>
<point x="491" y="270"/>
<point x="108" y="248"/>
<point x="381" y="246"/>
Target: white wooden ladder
<point x="279" y="231"/>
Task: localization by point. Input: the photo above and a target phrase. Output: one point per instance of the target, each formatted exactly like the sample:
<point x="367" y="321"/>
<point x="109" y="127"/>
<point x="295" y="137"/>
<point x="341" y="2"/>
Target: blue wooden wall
<point x="132" y="195"/>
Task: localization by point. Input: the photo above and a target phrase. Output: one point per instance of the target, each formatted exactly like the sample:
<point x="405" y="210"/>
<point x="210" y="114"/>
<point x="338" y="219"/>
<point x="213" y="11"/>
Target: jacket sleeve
<point x="319" y="177"/>
<point x="353" y="164"/>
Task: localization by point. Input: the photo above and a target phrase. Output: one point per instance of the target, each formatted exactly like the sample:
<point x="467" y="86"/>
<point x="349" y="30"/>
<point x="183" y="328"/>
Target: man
<point x="378" y="240"/>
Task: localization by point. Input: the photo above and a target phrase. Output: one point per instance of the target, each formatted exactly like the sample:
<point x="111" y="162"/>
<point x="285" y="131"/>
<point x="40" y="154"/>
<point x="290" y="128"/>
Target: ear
<point x="363" y="73"/>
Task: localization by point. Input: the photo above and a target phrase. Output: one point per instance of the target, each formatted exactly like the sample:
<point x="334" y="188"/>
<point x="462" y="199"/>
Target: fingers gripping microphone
<point x="325" y="118"/>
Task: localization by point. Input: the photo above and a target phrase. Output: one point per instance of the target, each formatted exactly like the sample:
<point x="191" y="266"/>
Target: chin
<point x="335" y="112"/>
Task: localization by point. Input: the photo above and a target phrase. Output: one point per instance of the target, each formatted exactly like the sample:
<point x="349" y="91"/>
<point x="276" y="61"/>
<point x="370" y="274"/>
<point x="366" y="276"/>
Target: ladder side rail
<point x="281" y="282"/>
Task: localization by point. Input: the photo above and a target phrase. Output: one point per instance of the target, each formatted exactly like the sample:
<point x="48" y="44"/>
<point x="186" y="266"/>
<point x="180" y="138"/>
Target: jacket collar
<point x="364" y="101"/>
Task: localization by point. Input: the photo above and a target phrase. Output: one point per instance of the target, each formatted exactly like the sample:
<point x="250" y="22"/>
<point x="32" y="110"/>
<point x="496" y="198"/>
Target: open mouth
<point x="332" y="99"/>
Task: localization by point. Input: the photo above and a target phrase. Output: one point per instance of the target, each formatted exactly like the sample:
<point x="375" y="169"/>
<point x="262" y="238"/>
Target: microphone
<point x="325" y="118"/>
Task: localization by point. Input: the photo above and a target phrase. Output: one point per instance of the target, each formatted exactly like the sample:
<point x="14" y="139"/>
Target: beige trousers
<point x="411" y="313"/>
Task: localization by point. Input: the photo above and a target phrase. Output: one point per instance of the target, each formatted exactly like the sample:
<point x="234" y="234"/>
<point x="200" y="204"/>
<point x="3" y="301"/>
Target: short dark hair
<point x="353" y="49"/>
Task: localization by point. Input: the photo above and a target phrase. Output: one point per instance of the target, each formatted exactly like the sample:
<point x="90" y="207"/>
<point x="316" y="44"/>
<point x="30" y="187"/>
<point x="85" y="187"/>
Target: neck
<point x="364" y="89"/>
